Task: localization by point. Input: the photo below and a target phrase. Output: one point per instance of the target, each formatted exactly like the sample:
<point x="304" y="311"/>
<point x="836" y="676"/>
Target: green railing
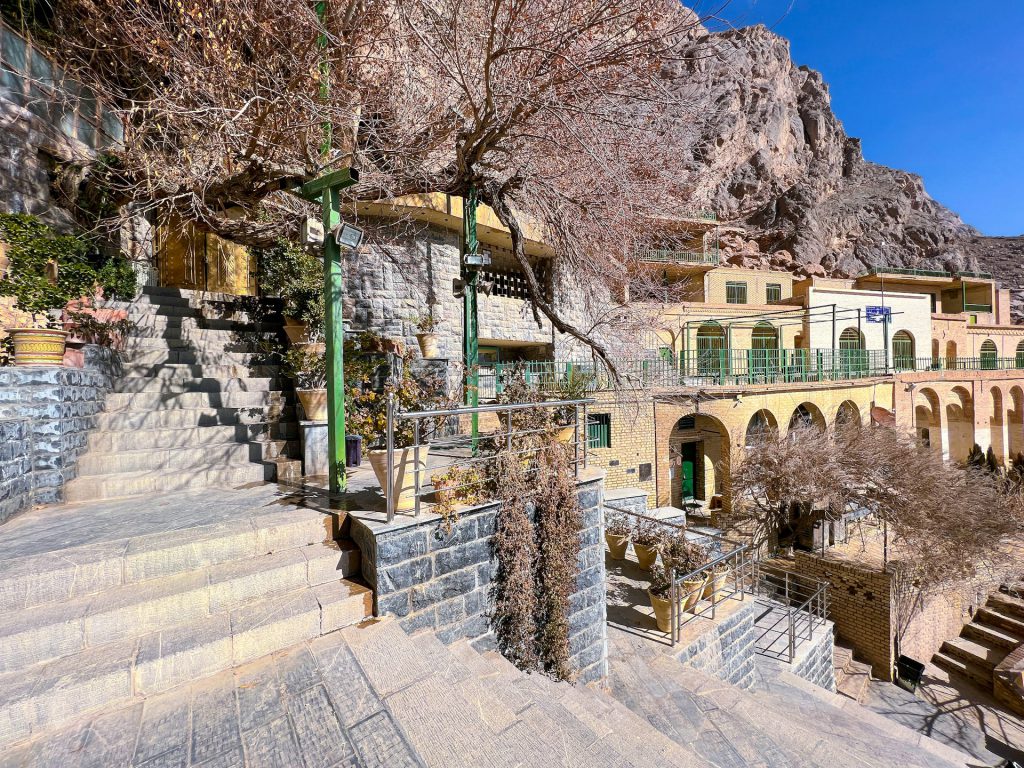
<point x="978" y="275"/>
<point x="904" y="271"/>
<point x="666" y="256"/>
<point x="984" y="363"/>
<point x="977" y="307"/>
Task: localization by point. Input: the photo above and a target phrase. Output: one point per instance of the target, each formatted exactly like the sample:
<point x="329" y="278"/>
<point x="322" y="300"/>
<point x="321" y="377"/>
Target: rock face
<point x="771" y="157"/>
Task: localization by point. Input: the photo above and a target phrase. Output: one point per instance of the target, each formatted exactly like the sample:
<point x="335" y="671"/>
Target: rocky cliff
<point x="772" y="159"/>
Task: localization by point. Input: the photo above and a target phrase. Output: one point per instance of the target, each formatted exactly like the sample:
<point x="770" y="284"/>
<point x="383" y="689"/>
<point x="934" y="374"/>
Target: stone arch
<point x="807" y="413"/>
<point x="1015" y="422"/>
<point x="761" y="423"/>
<point x="989" y="355"/>
<point x="699" y="444"/>
<point x="960" y="424"/>
<point x="928" y="422"/>
<point x="848" y="414"/>
<point x="903" y="351"/>
<point x="997" y="425"/>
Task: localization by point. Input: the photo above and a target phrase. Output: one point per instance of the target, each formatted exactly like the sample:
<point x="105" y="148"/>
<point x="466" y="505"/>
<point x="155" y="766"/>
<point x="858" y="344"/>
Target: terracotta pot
<point x="404" y="489"/>
<point x="38" y="346"/>
<point x="716" y="583"/>
<point x="645" y="556"/>
<point x="313" y="348"/>
<point x="566" y="434"/>
<point x="692" y="590"/>
<point x="429" y="345"/>
<point x="617" y="544"/>
<point x="295" y="330"/>
<point x="314" y="403"/>
<point x="662" y="611"/>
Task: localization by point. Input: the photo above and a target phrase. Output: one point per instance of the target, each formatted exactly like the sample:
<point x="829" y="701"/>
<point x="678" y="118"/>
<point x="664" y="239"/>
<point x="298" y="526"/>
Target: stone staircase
<point x="106" y="624"/>
<point x="781" y="721"/>
<point x="852" y="677"/>
<point x="200" y="402"/>
<point x="996" y="629"/>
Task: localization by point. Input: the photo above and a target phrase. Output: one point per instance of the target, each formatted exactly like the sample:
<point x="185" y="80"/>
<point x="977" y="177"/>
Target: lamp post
<point x="472" y="260"/>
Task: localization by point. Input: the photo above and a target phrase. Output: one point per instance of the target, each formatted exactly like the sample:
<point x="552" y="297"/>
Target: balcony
<point x="977" y="307"/>
<point x="708" y="257"/>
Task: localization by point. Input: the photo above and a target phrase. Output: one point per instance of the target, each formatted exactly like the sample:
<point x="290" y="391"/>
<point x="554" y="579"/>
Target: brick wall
<point x="429" y="580"/>
<point x="56" y="408"/>
<point x="939" y="616"/>
<point x="632" y="444"/>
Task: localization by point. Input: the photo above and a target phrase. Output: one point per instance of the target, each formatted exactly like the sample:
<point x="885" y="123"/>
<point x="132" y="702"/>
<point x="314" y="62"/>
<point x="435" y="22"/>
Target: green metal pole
<point x="333" y="289"/>
<point x="470" y="324"/>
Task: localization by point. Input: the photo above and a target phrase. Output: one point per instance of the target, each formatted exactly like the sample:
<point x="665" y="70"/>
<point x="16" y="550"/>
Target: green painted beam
<point x="335" y="180"/>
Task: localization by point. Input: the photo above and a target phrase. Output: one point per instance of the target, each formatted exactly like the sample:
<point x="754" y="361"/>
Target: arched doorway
<point x="711" y="352"/>
<point x="848" y="415"/>
<point x="950" y="355"/>
<point x="762" y="425"/>
<point x="807" y="415"/>
<point x="699" y="455"/>
<point x="935" y="354"/>
<point x="996" y="425"/>
<point x="852" y="355"/>
<point x="764" y="351"/>
<point x="989" y="355"/>
<point x="928" y="419"/>
<point x="1018" y="358"/>
<point x="1015" y="423"/>
<point x="903" y="354"/>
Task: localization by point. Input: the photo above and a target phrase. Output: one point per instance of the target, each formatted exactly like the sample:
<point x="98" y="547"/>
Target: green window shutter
<point x="599" y="430"/>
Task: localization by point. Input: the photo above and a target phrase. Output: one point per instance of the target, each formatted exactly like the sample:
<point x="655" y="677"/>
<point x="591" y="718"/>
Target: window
<point x="599" y="430"/>
<point x="989" y="355"/>
<point x="903" y="351"/>
<point x="773" y="292"/>
<point x="735" y="293"/>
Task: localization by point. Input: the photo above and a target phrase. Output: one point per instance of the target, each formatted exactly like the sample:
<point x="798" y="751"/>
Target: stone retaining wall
<point x="816" y="665"/>
<point x="429" y="580"/>
<point x="46" y="414"/>
<point x="726" y="648"/>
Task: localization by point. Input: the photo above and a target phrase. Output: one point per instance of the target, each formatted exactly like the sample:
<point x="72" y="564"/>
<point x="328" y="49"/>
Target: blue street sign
<point x="877" y="314"/>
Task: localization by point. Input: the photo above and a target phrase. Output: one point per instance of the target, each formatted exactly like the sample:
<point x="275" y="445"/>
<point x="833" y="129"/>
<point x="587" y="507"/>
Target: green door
<point x="688" y="470"/>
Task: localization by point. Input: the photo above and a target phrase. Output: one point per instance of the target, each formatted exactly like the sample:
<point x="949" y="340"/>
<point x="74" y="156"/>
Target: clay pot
<point x="38" y="346"/>
<point x="430" y="346"/>
<point x="645" y="556"/>
<point x="617" y="544"/>
<point x="662" y="611"/>
<point x="692" y="590"/>
<point x="404" y="488"/>
<point x="566" y="434"/>
<point x="314" y="403"/>
<point x="716" y="583"/>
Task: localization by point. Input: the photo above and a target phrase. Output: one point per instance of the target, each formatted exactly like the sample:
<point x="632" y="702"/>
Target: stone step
<point x="90" y="569"/>
<point x="191" y="437"/>
<point x="970" y="670"/>
<point x="215" y="297"/>
<point x="996" y="618"/>
<point x="991" y="636"/>
<point x="974" y="652"/>
<point x="154" y="401"/>
<point x="183" y="372"/>
<point x="95" y="463"/>
<point x="1007" y="605"/>
<point x="120" y="673"/>
<point x="143" y="310"/>
<point x="193" y="342"/>
<point x="116" y="486"/>
<point x="193" y="417"/>
<point x="853" y="684"/>
<point x="197" y="384"/>
<point x="35" y="635"/>
<point x="197" y="330"/>
<point x="194" y="357"/>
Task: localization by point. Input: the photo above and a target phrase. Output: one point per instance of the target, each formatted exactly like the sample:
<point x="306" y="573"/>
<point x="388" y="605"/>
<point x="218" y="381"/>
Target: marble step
<point x="982" y="632"/>
<point x="184" y="372"/>
<point x="1007" y="605"/>
<point x="974" y="652"/>
<point x="155" y="401"/>
<point x="96" y="463"/>
<point x="167" y="356"/>
<point x="118" y="674"/>
<point x="994" y="617"/>
<point x="74" y="572"/>
<point x="181" y="418"/>
<point x="116" y="486"/>
<point x="200" y="384"/>
<point x="35" y="635"/>
<point x="957" y="665"/>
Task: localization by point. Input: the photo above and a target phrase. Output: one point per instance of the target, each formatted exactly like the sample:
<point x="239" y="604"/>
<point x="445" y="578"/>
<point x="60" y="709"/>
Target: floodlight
<point x="348" y="236"/>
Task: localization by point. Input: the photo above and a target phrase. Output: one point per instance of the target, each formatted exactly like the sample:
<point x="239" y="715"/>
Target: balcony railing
<point x="985" y="363"/>
<point x="978" y="275"/>
<point x="666" y="256"/>
<point x="977" y="307"/>
<point x="926" y="273"/>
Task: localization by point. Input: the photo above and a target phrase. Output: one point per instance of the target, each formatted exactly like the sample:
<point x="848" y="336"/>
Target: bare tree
<point x="556" y="111"/>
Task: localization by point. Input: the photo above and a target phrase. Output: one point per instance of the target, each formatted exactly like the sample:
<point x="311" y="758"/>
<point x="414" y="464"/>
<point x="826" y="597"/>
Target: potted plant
<point x="576" y="384"/>
<point x="716" y="581"/>
<point x="659" y="593"/>
<point x="681" y="555"/>
<point x="616" y="533"/>
<point x="426" y="336"/>
<point x="308" y="369"/>
<point x="646" y="539"/>
<point x="297" y="277"/>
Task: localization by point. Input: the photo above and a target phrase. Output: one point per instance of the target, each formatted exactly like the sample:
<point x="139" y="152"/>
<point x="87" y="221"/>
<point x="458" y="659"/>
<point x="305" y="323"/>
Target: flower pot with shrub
<point x="660" y="592"/>
<point x="426" y="335"/>
<point x="616" y="533"/>
<point x="576" y="384"/>
<point x="682" y="557"/>
<point x="646" y="539"/>
<point x="47" y="271"/>
<point x="308" y="369"/>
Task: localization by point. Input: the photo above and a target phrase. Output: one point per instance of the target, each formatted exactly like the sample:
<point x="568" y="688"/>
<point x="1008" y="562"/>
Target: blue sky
<point x="935" y="87"/>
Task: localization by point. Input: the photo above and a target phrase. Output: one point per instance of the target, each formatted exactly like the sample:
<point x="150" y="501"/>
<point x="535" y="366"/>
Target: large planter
<point x="716" y="583"/>
<point x="296" y="331"/>
<point x="404" y="488"/>
<point x="566" y="434"/>
<point x="692" y="590"/>
<point x="38" y="346"/>
<point x="662" y="606"/>
<point x="314" y="403"/>
<point x="617" y="544"/>
<point x="430" y="347"/>
<point x="645" y="556"/>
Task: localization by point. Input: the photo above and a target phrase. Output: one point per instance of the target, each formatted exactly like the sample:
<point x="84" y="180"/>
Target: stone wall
<point x="51" y="411"/>
<point x="442" y="582"/>
<point x="815" y="664"/>
<point x="726" y="647"/>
